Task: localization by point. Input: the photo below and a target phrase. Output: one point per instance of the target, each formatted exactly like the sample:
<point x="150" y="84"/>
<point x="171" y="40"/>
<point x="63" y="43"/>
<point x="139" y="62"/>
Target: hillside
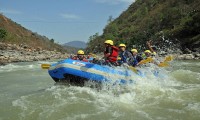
<point x="76" y="44"/>
<point x="71" y="50"/>
<point x="163" y="21"/>
<point x="13" y="33"/>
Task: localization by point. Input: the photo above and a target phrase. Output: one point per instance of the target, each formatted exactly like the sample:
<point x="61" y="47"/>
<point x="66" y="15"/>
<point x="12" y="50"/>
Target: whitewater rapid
<point x="27" y="92"/>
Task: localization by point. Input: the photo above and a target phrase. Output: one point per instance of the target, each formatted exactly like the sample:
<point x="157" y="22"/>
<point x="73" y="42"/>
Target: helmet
<point x="147" y="51"/>
<point x="110" y="42"/>
<point x="122" y="45"/>
<point x="80" y="52"/>
<point x="134" y="50"/>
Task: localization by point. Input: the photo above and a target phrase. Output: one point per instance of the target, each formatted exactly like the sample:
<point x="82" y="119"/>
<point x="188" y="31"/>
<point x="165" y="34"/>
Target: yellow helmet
<point x="147" y="51"/>
<point x="122" y="45"/>
<point x="80" y="52"/>
<point x="134" y="50"/>
<point x="110" y="42"/>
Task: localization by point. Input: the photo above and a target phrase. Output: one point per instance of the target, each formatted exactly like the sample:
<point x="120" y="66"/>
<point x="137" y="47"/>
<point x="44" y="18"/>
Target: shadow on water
<point x="71" y="80"/>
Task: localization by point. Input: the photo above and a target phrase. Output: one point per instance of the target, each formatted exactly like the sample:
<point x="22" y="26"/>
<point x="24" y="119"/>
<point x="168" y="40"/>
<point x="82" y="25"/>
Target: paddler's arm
<point x="108" y="52"/>
<point x="107" y="55"/>
<point x="149" y="46"/>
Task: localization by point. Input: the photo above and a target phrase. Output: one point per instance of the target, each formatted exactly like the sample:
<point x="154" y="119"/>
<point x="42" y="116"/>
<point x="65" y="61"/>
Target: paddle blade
<point x="45" y="66"/>
<point x="163" y="64"/>
<point x="168" y="58"/>
<point x="133" y="69"/>
<point x="148" y="60"/>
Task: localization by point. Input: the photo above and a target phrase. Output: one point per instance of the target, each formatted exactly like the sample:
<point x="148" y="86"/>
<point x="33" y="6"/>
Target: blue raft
<point x="79" y="71"/>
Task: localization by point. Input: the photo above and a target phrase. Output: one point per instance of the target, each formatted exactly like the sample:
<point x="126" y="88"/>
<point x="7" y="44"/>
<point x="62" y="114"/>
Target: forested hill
<point x="14" y="33"/>
<point x="176" y="21"/>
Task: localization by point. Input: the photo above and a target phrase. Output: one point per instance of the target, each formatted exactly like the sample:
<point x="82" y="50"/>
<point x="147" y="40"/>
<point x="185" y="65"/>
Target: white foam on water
<point x="12" y="67"/>
<point x="186" y="76"/>
<point x="101" y="101"/>
<point x="194" y="107"/>
<point x="186" y="63"/>
<point x="16" y="67"/>
<point x="144" y="114"/>
<point x="144" y="99"/>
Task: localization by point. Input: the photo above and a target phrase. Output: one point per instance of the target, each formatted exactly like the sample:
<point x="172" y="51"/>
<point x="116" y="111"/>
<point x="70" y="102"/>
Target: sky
<point x="64" y="20"/>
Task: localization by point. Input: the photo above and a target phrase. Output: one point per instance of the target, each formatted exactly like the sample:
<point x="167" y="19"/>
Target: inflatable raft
<point x="78" y="71"/>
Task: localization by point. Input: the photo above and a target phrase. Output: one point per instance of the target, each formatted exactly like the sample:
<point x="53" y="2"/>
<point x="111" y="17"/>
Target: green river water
<point x="28" y="93"/>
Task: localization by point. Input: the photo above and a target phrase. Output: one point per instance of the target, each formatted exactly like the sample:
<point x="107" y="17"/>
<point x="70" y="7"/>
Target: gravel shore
<point x="22" y="53"/>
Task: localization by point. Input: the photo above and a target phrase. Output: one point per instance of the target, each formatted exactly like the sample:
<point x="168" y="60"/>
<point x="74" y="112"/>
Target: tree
<point x="176" y="21"/>
<point x="52" y="40"/>
<point x="3" y="33"/>
<point x="110" y="19"/>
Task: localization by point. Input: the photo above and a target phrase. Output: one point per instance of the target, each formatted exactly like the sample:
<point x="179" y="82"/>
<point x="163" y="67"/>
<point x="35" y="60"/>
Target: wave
<point x="173" y="93"/>
<point x="12" y="67"/>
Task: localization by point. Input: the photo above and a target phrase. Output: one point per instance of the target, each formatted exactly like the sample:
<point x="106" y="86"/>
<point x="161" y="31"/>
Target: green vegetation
<point x="3" y="33"/>
<point x="175" y="20"/>
<point x="14" y="33"/>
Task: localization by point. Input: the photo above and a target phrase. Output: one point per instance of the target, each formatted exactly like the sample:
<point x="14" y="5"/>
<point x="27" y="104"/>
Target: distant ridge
<point x="76" y="44"/>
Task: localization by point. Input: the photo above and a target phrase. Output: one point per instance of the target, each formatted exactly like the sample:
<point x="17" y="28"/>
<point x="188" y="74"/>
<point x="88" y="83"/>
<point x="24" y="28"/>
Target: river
<point x="28" y="93"/>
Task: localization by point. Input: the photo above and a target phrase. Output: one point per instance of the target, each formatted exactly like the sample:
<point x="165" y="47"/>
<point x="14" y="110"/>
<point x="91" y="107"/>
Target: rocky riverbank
<point x="23" y="53"/>
<point x="10" y="53"/>
<point x="189" y="55"/>
<point x="194" y="56"/>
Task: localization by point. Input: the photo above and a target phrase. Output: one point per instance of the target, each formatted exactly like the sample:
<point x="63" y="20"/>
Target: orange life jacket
<point x="114" y="54"/>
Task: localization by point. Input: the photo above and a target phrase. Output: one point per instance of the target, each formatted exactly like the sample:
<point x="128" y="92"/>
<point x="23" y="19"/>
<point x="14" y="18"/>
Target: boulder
<point x="196" y="50"/>
<point x="189" y="56"/>
<point x="2" y="57"/>
<point x="185" y="57"/>
<point x="2" y="62"/>
<point x="25" y="46"/>
<point x="187" y="51"/>
<point x="197" y="54"/>
<point x="3" y="46"/>
<point x="38" y="49"/>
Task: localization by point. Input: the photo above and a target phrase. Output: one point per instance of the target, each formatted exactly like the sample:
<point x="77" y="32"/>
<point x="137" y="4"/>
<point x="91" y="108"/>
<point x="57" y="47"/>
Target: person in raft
<point x="151" y="48"/>
<point x="147" y="54"/>
<point x="126" y="56"/>
<point x="80" y="56"/>
<point x="110" y="53"/>
<point x="149" y="57"/>
<point x="136" y="58"/>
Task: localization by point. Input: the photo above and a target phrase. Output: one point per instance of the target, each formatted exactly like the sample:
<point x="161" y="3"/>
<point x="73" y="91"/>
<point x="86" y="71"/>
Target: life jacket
<point x="76" y="58"/>
<point x="88" y="57"/>
<point x="123" y="57"/>
<point x="114" y="54"/>
<point x="84" y="60"/>
<point x="135" y="61"/>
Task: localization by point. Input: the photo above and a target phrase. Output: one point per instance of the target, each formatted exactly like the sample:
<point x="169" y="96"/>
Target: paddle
<point x="148" y="60"/>
<point x="45" y="66"/>
<point x="168" y="58"/>
<point x="162" y="64"/>
<point x="133" y="69"/>
<point x="165" y="62"/>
